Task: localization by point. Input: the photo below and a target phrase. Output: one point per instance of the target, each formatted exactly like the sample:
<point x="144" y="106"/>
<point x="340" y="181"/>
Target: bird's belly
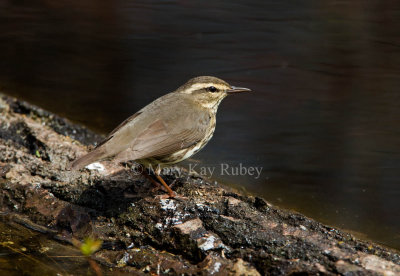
<point x="178" y="156"/>
<point x="186" y="153"/>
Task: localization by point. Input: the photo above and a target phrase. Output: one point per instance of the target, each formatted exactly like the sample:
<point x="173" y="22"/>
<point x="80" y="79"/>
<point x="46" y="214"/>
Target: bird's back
<point x="159" y="128"/>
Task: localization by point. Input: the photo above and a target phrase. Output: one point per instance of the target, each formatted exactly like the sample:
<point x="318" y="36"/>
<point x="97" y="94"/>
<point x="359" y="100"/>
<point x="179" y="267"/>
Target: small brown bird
<point x="168" y="130"/>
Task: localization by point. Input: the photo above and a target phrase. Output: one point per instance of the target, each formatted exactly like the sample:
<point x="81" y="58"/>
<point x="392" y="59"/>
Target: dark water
<point x="323" y="122"/>
<point x="26" y="252"/>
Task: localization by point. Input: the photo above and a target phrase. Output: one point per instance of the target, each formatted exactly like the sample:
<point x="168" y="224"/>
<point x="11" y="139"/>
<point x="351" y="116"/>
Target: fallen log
<point x="212" y="230"/>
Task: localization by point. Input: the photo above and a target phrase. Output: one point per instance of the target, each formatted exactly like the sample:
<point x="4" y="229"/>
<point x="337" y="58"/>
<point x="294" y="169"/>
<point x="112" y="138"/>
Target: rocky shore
<point x="211" y="230"/>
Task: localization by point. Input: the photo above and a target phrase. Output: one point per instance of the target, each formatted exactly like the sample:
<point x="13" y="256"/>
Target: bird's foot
<point x="165" y="196"/>
<point x="172" y="196"/>
<point x="158" y="188"/>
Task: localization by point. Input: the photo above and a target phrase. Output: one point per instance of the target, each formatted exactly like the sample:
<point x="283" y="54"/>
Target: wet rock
<point x="211" y="230"/>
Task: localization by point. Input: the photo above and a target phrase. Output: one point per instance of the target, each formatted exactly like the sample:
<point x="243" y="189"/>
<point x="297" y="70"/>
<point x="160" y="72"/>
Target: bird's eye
<point x="212" y="89"/>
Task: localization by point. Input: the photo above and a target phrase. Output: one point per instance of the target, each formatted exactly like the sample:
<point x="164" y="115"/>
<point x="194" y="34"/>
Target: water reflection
<point x="26" y="252"/>
<point x="323" y="121"/>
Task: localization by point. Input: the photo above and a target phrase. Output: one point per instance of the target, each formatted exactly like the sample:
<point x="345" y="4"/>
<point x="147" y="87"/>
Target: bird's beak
<point x="235" y="89"/>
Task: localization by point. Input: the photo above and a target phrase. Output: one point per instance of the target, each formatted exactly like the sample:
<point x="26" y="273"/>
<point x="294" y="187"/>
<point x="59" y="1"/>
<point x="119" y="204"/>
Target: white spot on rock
<point x="159" y="226"/>
<point x="208" y="243"/>
<point x="216" y="268"/>
<point x="96" y="166"/>
<point x="168" y="204"/>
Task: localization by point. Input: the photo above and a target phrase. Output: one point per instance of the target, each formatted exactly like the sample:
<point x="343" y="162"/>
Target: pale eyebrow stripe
<point x="197" y="86"/>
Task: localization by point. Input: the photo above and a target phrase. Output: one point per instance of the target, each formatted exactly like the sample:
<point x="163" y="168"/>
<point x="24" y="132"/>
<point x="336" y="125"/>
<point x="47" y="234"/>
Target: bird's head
<point x="209" y="91"/>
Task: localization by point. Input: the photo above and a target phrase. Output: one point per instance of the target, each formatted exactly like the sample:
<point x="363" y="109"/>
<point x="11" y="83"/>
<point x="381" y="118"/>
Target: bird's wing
<point x="149" y="133"/>
<point x="125" y="122"/>
<point x="162" y="138"/>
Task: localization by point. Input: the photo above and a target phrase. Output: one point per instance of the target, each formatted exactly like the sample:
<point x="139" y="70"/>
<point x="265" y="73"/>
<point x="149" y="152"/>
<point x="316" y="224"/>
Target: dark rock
<point x="212" y="230"/>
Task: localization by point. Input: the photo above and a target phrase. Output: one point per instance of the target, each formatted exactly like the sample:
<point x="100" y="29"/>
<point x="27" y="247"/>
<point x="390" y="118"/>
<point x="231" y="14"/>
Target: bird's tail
<point x="87" y="159"/>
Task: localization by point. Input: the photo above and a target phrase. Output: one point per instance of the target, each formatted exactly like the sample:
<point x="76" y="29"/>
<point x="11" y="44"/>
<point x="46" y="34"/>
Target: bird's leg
<point x="170" y="192"/>
<point x="145" y="174"/>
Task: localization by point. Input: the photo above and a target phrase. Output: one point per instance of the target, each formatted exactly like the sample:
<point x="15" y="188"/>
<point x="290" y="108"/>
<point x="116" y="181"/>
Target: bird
<point x="169" y="130"/>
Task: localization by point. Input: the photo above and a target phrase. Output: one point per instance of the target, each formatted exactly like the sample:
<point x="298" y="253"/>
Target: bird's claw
<point x="171" y="196"/>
